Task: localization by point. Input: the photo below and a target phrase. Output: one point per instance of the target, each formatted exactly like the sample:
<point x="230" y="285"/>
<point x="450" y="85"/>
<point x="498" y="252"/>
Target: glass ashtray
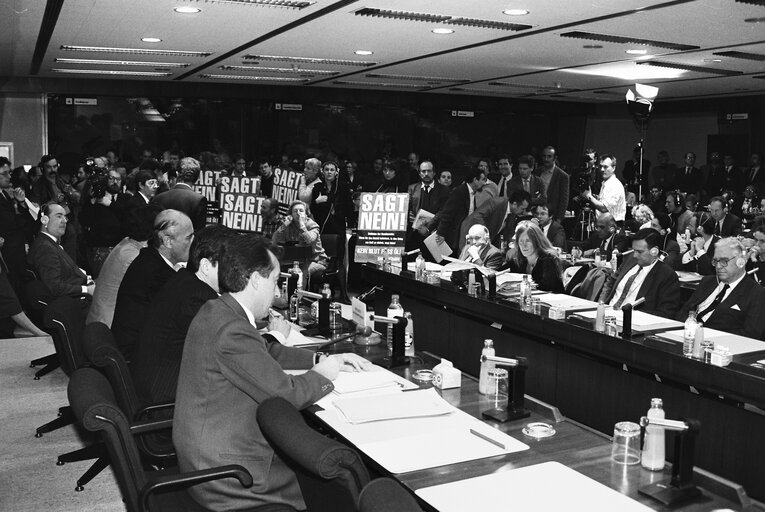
<point x="423" y="376"/>
<point x="539" y="430"/>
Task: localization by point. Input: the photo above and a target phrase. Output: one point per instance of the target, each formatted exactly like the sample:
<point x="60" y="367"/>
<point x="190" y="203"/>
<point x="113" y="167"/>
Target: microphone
<point x="360" y="331"/>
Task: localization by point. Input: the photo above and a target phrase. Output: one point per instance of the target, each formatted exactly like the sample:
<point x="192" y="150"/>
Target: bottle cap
<point x="488" y="343"/>
<point x="657" y="402"/>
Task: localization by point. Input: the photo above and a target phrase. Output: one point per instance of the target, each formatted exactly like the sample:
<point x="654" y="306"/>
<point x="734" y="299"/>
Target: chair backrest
<point x="35" y="299"/>
<point x="101" y="349"/>
<point x="64" y="321"/>
<point x="386" y="495"/>
<point x="92" y="400"/>
<point x="591" y="285"/>
<point x="331" y="475"/>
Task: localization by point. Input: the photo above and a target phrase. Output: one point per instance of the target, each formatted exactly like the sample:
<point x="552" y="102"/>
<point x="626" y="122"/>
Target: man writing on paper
<point x="228" y="369"/>
<point x="479" y="250"/>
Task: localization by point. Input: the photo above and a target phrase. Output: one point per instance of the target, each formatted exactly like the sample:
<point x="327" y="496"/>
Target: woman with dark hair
<point x="534" y="254"/>
<point x="331" y="201"/>
<point x="101" y="225"/>
<point x="351" y="177"/>
<point x="391" y="182"/>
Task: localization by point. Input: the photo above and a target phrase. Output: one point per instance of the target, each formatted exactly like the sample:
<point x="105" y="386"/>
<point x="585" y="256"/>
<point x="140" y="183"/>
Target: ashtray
<point x="539" y="430"/>
<point x="423" y="376"/>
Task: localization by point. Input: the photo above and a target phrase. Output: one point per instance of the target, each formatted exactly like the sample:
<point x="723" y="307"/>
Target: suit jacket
<point x="433" y="202"/>
<point x="557" y="192"/>
<point x="491" y="214"/>
<point x="182" y="198"/>
<point x="747" y="319"/>
<point x="160" y="343"/>
<point x="619" y="241"/>
<point x="690" y="184"/>
<point x="497" y="179"/>
<point x="453" y="213"/>
<point x="16" y="227"/>
<point x="227" y="370"/>
<point x="55" y="267"/>
<point x="556" y="235"/>
<point x="660" y="288"/>
<point x="536" y="186"/>
<point x="703" y="264"/>
<point x="672" y="248"/>
<point x="143" y="279"/>
<point x="731" y="226"/>
<point x="490" y="257"/>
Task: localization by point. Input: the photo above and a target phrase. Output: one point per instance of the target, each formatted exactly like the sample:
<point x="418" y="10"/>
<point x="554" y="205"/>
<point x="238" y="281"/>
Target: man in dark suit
<point x="606" y="238"/>
<point x="228" y="368"/>
<point x="16" y="226"/>
<point x="460" y="204"/>
<point x="525" y="180"/>
<point x="425" y="195"/>
<point x="644" y="276"/>
<point x="726" y="224"/>
<point x="505" y="167"/>
<point x="479" y="249"/>
<point x="689" y="177"/>
<point x="154" y="266"/>
<point x="182" y="196"/>
<point x="53" y="266"/>
<point x="556" y="184"/>
<point x="500" y="215"/>
<point x="754" y="175"/>
<point x="551" y="228"/>
<point x="160" y="344"/>
<point x="146" y="185"/>
<point x="668" y="244"/>
<point x="732" y="177"/>
<point x="730" y="300"/>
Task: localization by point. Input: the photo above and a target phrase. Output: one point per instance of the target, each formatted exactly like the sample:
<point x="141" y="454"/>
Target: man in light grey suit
<point x="228" y="368"/>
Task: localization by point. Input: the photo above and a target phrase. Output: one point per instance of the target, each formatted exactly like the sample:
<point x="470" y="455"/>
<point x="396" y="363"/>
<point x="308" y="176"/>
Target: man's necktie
<point x="7" y="196"/>
<point x="715" y="302"/>
<point x="502" y="187"/>
<point x="426" y="189"/>
<point x="687" y="171"/>
<point x="717" y="228"/>
<point x="626" y="289"/>
<point x="752" y="174"/>
<point x="526" y="186"/>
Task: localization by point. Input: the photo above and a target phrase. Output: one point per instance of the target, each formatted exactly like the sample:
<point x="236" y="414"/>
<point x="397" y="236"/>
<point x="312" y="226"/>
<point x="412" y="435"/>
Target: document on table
<point x="409" y="444"/>
<point x="377" y="378"/>
<point x="567" y="302"/>
<point x="737" y="344"/>
<point x="688" y="277"/>
<point x="425" y="402"/>
<point x="429" y="266"/>
<point x="437" y="250"/>
<point x="546" y="486"/>
<point x="640" y="321"/>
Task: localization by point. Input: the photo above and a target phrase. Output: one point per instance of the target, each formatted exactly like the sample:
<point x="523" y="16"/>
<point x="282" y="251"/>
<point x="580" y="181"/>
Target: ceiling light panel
<point x="617" y="39"/>
<point x="133" y="51"/>
<point x="139" y="63"/>
<point x="309" y="60"/>
<point x="687" y="67"/>
<point x="383" y="76"/>
<point x="742" y="55"/>
<point x="256" y="78"/>
<point x="285" y="4"/>
<point x="110" y="72"/>
<point x="289" y="71"/>
<point x="443" y="19"/>
<point x="388" y="85"/>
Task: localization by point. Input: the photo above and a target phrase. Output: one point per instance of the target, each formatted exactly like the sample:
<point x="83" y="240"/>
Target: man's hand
<point x="321" y="199"/>
<point x="698" y="244"/>
<point x="439" y="239"/>
<point x="350" y="362"/>
<point x="473" y="252"/>
<point x="19" y="194"/>
<point x="279" y="324"/>
<point x="422" y="230"/>
<point x="287" y="221"/>
<point x="328" y="367"/>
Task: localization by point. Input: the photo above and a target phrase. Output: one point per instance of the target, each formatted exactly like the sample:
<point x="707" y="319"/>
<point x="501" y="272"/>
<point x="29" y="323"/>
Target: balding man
<point x="606" y="238"/>
<point x="168" y="249"/>
<point x="730" y="300"/>
<point x="182" y="196"/>
<point x="478" y="249"/>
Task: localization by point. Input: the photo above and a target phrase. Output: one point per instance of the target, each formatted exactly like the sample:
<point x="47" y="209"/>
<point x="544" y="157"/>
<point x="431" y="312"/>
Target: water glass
<point x="498" y="387"/>
<point x="626" y="444"/>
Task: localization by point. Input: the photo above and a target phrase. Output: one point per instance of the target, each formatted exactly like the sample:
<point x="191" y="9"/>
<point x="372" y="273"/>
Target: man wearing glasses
<point x="730" y="300"/>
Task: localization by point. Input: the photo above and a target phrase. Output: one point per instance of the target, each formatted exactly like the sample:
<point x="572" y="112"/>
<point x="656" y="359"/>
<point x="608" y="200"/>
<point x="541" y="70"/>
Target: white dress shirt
<point x="612" y="196"/>
<point x="636" y="284"/>
<point x="709" y="300"/>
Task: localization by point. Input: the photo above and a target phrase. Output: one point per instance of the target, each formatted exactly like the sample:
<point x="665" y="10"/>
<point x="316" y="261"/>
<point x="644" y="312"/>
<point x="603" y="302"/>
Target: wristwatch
<point x="317" y="356"/>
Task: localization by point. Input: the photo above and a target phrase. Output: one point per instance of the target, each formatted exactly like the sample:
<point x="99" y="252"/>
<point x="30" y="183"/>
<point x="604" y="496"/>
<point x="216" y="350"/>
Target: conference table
<point x="590" y="381"/>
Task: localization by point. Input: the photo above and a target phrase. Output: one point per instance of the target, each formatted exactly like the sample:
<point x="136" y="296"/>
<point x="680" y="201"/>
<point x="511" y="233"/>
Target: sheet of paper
<point x="688" y="277"/>
<point x="509" y="277"/>
<point x="567" y="302"/>
<point x="425" y="402"/>
<point x="429" y="266"/>
<point x="378" y="377"/>
<point x="735" y="343"/>
<point x="422" y="217"/>
<point x="640" y="321"/>
<point x="297" y="339"/>
<point x="546" y="486"/>
<point x="437" y="250"/>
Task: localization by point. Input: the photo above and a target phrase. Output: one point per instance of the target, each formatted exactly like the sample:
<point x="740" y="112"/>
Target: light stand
<point x="640" y="105"/>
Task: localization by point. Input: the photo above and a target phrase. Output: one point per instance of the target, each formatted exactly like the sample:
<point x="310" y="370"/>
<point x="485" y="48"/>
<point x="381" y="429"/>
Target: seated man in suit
<point x="478" y="249"/>
<point x="549" y="226"/>
<point x="500" y="215"/>
<point x="644" y="276"/>
<point x="53" y="266"/>
<point x="730" y="300"/>
<point x="228" y="368"/>
<point x="606" y="238"/>
<point x="726" y="224"/>
<point x="160" y="344"/>
<point x="168" y="249"/>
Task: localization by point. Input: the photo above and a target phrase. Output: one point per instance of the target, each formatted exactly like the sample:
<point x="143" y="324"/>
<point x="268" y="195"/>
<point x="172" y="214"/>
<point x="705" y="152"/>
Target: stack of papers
<point x="737" y="344"/>
<point x="640" y="321"/>
<point x="567" y="302"/>
<point x="688" y="277"/>
<point x="377" y="378"/>
<point x="394" y="406"/>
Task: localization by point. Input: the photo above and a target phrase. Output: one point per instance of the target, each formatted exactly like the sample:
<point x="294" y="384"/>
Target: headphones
<point x="678" y="198"/>
<point x="740" y="262"/>
<point x="654" y="251"/>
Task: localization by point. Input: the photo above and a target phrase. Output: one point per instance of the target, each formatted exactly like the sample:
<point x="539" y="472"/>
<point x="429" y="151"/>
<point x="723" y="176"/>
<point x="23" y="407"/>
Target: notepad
<point x="546" y="486"/>
<point x="688" y="277"/>
<point x="640" y="321"/>
<point x="567" y="302"/>
<point x="425" y="402"/>
<point x="735" y="343"/>
<point x="377" y="378"/>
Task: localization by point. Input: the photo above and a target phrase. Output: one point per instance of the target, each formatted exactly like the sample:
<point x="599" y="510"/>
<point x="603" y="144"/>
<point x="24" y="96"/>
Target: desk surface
<point x="573" y="445"/>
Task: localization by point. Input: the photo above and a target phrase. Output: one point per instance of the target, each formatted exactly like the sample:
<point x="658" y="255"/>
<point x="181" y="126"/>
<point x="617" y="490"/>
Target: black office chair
<point x="331" y="475"/>
<point x="35" y="299"/>
<point x="386" y="495"/>
<point x="97" y="410"/>
<point x="334" y="246"/>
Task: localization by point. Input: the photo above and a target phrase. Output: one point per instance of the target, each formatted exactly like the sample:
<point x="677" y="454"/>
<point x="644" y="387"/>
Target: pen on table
<point x="487" y="438"/>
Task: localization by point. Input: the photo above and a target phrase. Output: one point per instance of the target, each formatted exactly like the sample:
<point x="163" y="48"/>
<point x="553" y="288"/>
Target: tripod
<point x="584" y="223"/>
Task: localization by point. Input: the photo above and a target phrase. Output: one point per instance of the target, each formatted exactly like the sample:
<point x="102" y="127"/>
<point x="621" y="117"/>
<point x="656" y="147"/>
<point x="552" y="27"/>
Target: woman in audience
<point x="534" y="254"/>
<point x="331" y="201"/>
<point x="391" y="182"/>
<point x="351" y="176"/>
<point x="102" y="227"/>
<point x="642" y="216"/>
<point x="445" y="178"/>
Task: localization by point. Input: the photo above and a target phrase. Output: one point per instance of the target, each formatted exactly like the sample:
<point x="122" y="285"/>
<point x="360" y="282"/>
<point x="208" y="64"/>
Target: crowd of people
<point x="189" y="302"/>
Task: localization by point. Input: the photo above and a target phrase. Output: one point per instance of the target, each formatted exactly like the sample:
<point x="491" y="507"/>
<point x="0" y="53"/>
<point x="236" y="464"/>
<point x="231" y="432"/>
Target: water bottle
<point x="597" y="256"/>
<point x="600" y="317"/>
<point x="326" y="291"/>
<point x="688" y="238"/>
<point x="483" y="375"/>
<point x="525" y="292"/>
<point x="409" y="335"/>
<point x="295" y="305"/>
<point x="689" y="333"/>
<point x="419" y="268"/>
<point x="394" y="309"/>
<point x="614" y="259"/>
<point x="296" y="270"/>
<point x="652" y="457"/>
<point x="698" y="342"/>
<point x="502" y="244"/>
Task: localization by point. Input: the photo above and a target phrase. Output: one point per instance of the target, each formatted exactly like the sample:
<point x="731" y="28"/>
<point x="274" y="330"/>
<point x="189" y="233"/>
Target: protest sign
<point x="286" y="185"/>
<point x="382" y="226"/>
<point x="240" y="205"/>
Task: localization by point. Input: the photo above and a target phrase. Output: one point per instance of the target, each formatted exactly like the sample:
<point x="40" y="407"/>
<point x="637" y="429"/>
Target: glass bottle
<point x="614" y="259"/>
<point x="326" y="291"/>
<point x="295" y="305"/>
<point x="689" y="333"/>
<point x="296" y="270"/>
<point x="652" y="457"/>
<point x="419" y="268"/>
<point x="409" y="334"/>
<point x="525" y="292"/>
<point x="483" y="375"/>
<point x="394" y="309"/>
<point x="600" y="317"/>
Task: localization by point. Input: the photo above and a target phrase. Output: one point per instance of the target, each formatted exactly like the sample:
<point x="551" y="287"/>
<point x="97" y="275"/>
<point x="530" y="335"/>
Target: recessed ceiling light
<point x="515" y="12"/>
<point x="593" y="46"/>
<point x="187" y="10"/>
<point x="442" y="31"/>
<point x="151" y="40"/>
<point x="253" y="77"/>
<point x="637" y="51"/>
<point x="363" y="52"/>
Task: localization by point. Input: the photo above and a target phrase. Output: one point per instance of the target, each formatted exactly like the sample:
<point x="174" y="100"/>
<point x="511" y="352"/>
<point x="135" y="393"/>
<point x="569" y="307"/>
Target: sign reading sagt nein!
<point x="382" y="226"/>
<point x="240" y="203"/>
<point x="286" y="186"/>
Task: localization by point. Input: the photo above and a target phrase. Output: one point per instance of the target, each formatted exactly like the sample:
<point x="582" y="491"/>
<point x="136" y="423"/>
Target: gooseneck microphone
<point x="360" y="331"/>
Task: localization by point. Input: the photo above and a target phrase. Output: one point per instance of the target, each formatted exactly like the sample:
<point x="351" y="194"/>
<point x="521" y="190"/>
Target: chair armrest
<point x="186" y="480"/>
<point x="142" y="427"/>
<point x="142" y="412"/>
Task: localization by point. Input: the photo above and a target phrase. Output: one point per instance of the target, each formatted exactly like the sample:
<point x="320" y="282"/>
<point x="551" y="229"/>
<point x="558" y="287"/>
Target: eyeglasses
<point x="152" y="183"/>
<point x="721" y="262"/>
<point x="115" y="178"/>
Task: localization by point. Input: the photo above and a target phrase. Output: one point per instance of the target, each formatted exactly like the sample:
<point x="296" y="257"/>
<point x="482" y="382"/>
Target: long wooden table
<point x="598" y="380"/>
